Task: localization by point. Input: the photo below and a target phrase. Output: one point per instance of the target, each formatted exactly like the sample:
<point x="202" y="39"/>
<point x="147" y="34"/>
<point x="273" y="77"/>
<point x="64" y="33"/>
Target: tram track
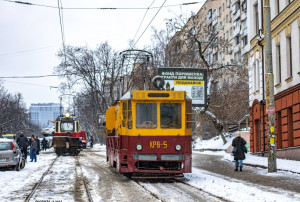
<point x="36" y="186"/>
<point x="84" y="181"/>
<point x="78" y="186"/>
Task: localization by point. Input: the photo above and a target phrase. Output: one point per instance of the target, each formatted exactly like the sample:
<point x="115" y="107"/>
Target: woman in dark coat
<point x="239" y="155"/>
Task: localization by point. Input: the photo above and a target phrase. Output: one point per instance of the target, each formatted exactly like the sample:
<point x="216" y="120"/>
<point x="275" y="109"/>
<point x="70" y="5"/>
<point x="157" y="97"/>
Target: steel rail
<point x="40" y="181"/>
<point x="84" y="182"/>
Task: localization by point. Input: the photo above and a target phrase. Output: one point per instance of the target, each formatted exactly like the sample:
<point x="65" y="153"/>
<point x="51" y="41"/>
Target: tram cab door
<point x="126" y="121"/>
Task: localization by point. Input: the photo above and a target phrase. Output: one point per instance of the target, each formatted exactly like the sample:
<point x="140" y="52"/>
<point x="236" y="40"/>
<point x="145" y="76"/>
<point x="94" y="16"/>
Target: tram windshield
<point x="67" y="127"/>
<point x="146" y="115"/>
<point x="170" y="115"/>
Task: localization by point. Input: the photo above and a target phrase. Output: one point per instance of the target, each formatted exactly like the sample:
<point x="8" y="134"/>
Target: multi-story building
<point x="219" y="31"/>
<point x="227" y="19"/>
<point x="285" y="31"/>
<point x="41" y="113"/>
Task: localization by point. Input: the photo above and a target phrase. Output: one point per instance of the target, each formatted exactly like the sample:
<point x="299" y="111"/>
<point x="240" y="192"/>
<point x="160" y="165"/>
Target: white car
<point x="48" y="131"/>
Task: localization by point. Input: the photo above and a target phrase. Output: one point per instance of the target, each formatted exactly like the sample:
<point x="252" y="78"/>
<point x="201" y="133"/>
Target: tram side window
<point x="189" y="116"/>
<point x="129" y="115"/>
<point x="170" y="115"/>
<point x="67" y="127"/>
<point x="124" y="114"/>
<point x="146" y="115"/>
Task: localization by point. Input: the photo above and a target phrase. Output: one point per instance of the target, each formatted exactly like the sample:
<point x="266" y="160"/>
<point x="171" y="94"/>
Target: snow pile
<point x="236" y="190"/>
<point x="213" y="143"/>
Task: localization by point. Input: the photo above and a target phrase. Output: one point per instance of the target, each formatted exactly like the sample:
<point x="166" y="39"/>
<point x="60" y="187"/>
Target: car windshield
<point x="67" y="127"/>
<point x="5" y="146"/>
<point x="9" y="137"/>
<point x="146" y="115"/>
<point x="170" y="115"/>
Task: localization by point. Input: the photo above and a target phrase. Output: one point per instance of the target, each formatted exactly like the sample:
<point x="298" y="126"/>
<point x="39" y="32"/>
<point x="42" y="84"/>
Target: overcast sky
<point x="30" y="36"/>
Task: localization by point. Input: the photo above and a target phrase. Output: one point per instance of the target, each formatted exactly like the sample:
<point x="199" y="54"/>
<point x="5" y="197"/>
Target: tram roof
<point x="155" y="95"/>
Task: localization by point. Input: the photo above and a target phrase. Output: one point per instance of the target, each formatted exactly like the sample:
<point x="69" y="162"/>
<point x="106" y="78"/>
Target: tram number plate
<point x="158" y="144"/>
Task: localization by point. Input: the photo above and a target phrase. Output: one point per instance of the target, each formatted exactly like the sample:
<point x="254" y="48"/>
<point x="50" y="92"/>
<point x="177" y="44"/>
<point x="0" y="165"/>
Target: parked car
<point x="48" y="131"/>
<point x="11" y="155"/>
<point x="10" y="136"/>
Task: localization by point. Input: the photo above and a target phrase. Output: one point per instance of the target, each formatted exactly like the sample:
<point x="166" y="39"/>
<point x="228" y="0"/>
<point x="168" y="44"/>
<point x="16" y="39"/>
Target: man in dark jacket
<point x="44" y="143"/>
<point x="22" y="141"/>
<point x="239" y="154"/>
<point x="38" y="143"/>
<point x="33" y="148"/>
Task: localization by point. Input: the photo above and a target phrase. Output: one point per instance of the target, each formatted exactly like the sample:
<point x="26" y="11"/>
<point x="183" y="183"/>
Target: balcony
<point x="243" y="15"/>
<point x="237" y="48"/>
<point x="208" y="21"/>
<point x="215" y="21"/>
<point x="236" y="15"/>
<point x="236" y="31"/>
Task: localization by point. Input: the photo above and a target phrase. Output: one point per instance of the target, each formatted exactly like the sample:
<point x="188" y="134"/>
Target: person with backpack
<point x="238" y="144"/>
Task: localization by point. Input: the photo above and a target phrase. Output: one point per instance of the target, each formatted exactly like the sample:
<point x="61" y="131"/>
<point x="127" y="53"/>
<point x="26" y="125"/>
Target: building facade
<point x="285" y="31"/>
<point x="41" y="113"/>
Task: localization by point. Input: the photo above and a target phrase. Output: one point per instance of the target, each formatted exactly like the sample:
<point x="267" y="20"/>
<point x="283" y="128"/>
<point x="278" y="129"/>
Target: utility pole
<point x="269" y="82"/>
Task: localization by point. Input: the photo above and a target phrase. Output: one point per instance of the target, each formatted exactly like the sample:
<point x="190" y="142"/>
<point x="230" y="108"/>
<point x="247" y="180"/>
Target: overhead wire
<point x="142" y="20"/>
<point x="150" y="23"/>
<point x="28" y="84"/>
<point x="105" y="8"/>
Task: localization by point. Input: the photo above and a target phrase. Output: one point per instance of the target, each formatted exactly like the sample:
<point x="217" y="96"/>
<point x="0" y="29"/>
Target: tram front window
<point x="146" y="115"/>
<point x="170" y="115"/>
<point x="67" y="127"/>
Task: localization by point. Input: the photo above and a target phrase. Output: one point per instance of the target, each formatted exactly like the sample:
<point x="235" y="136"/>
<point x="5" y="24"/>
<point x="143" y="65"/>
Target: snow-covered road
<point x="64" y="182"/>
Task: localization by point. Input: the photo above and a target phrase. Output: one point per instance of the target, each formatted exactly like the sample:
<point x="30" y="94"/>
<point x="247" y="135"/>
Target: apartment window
<point x="244" y="5"/>
<point x="237" y="39"/>
<point x="209" y="14"/>
<point x="236" y="24"/>
<point x="244" y="23"/>
<point x="256" y="17"/>
<point x="244" y="41"/>
<point x="220" y="10"/>
<point x="215" y="14"/>
<point x="290" y="127"/>
<point x="223" y="6"/>
<point x="278" y="56"/>
<point x="277" y="6"/>
<point x="231" y="31"/>
<point x="289" y="57"/>
<point x="256" y="75"/>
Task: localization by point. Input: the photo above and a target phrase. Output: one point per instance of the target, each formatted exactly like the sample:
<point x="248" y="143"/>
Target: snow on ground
<point x="217" y="143"/>
<point x="19" y="184"/>
<point x="236" y="190"/>
<point x="213" y="143"/>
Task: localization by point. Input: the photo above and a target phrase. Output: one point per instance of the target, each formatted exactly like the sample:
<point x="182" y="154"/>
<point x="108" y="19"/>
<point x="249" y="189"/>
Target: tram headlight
<point x="139" y="147"/>
<point x="178" y="147"/>
<point x="67" y="115"/>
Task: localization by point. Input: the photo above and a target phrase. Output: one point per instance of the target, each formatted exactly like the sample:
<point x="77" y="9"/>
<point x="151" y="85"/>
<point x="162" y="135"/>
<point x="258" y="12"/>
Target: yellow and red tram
<point x="148" y="134"/>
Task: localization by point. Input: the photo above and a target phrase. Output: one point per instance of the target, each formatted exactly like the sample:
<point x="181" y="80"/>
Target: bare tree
<point x="14" y="116"/>
<point x="97" y="73"/>
<point x="192" y="46"/>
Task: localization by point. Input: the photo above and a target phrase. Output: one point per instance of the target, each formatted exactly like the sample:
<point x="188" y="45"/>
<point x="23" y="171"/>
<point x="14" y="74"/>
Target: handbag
<point x="244" y="148"/>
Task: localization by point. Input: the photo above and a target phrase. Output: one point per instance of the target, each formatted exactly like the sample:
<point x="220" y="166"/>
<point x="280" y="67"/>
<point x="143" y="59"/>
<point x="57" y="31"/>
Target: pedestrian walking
<point x="239" y="154"/>
<point x="23" y="143"/>
<point x="44" y="143"/>
<point x="92" y="141"/>
<point x="38" y="142"/>
<point x="33" y="148"/>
